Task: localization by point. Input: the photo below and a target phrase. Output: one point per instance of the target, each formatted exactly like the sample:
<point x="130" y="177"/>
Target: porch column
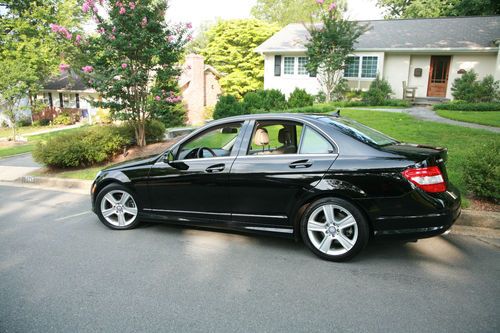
<point x="497" y="67"/>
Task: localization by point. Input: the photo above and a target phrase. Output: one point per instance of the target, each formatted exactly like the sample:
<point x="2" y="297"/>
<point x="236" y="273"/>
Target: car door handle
<point x="215" y="168"/>
<point x="300" y="164"/>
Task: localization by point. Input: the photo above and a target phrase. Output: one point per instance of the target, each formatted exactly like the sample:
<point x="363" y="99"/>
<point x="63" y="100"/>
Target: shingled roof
<point x="66" y="82"/>
<point x="464" y="33"/>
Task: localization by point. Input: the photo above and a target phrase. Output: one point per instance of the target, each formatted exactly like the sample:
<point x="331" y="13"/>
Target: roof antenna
<point x="337" y="114"/>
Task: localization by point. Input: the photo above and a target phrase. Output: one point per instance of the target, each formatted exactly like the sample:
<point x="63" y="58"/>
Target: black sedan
<point x="325" y="179"/>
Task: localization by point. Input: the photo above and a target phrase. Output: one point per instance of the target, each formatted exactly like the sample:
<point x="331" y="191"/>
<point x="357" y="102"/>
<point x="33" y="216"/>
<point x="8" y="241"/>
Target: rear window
<point x="359" y="131"/>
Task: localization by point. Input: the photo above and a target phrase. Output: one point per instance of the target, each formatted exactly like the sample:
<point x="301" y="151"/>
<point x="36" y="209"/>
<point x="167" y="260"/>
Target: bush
<point x="467" y="88"/>
<point x="83" y="147"/>
<point x="387" y="102"/>
<point x="173" y="116"/>
<point x="41" y="122"/>
<point x="63" y="119"/>
<point x="379" y="92"/>
<point x="23" y="122"/>
<point x="228" y="106"/>
<point x="482" y="171"/>
<point x="340" y="91"/>
<point x="155" y="131"/>
<point x="300" y="98"/>
<point x="465" y="106"/>
<point x="264" y="101"/>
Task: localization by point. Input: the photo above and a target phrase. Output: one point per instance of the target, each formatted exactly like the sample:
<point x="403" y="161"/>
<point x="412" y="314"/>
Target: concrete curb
<point x="54" y="182"/>
<point x="479" y="218"/>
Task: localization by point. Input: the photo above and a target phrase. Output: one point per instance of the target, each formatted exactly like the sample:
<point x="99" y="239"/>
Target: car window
<point x="275" y="138"/>
<point x="314" y="143"/>
<point x="215" y="142"/>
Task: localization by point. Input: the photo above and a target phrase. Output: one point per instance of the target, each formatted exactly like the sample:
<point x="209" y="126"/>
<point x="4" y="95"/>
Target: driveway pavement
<point x="62" y="271"/>
<point x="17" y="166"/>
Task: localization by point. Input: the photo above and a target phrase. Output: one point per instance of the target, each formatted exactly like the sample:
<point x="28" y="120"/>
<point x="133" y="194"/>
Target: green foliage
<point x="24" y="122"/>
<point x="228" y="106"/>
<point x="330" y="45"/>
<point x="173" y="116"/>
<point x="482" y="171"/>
<point x="379" y="91"/>
<point x="438" y="8"/>
<point x="465" y="106"/>
<point x="340" y="91"/>
<point x="264" y="101"/>
<point x="63" y="119"/>
<point x="284" y="12"/>
<point x="467" y="88"/>
<point x="300" y="98"/>
<point x="230" y="49"/>
<point x="80" y="148"/>
<point x="132" y="62"/>
<point x="154" y="129"/>
<point x="41" y="122"/>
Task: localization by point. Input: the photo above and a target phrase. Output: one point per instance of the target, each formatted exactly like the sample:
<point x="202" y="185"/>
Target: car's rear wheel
<point x="334" y="229"/>
<point x="117" y="208"/>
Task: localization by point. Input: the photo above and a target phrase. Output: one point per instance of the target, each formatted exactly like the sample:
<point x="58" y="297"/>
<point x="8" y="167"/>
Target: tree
<point x="284" y="12"/>
<point x="13" y="87"/>
<point x="230" y="49"/>
<point x="329" y="45"/>
<point x="26" y="40"/>
<point x="438" y="8"/>
<point x="133" y="61"/>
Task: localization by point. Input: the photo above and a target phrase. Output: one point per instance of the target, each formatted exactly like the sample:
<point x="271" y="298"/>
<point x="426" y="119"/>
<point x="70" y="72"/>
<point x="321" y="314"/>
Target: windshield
<point x="359" y="131"/>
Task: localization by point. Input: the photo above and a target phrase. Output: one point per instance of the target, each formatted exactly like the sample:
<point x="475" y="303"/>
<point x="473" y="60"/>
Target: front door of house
<point x="438" y="76"/>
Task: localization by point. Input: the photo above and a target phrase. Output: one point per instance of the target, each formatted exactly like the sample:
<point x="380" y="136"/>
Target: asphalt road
<point x="61" y="270"/>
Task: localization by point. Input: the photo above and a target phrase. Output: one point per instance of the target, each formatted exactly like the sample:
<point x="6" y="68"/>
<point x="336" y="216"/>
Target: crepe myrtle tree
<point x="132" y="60"/>
<point x="330" y="43"/>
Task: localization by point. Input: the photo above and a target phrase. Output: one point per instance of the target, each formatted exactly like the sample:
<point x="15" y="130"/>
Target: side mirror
<point x="170" y="157"/>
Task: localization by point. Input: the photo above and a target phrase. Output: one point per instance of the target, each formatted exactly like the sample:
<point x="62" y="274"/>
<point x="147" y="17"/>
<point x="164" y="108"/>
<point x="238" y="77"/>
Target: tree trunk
<point x="140" y="133"/>
<point x="32" y="108"/>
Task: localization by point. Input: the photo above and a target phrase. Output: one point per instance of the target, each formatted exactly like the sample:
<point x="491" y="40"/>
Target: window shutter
<point x="60" y="100"/>
<point x="277" y="65"/>
<point x="77" y="97"/>
<point x="50" y="100"/>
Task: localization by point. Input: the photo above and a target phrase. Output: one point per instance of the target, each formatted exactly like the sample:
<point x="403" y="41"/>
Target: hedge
<point x="464" y="106"/>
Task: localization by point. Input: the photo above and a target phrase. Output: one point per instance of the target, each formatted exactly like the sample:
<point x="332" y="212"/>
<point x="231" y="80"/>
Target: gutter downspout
<point x="497" y="68"/>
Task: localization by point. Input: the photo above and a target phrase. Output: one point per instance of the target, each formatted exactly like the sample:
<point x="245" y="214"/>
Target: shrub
<point x="467" y="88"/>
<point x="63" y="119"/>
<point x="320" y="97"/>
<point x="155" y="131"/>
<point x="83" y="147"/>
<point x="103" y="116"/>
<point x="174" y="116"/>
<point x="41" y="122"/>
<point x="264" y="101"/>
<point x="482" y="171"/>
<point x="23" y="122"/>
<point x="379" y="92"/>
<point x="300" y="98"/>
<point x="465" y="106"/>
<point x="340" y="91"/>
<point x="228" y="106"/>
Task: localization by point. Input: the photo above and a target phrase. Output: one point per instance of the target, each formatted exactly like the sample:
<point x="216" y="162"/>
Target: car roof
<point x="264" y="116"/>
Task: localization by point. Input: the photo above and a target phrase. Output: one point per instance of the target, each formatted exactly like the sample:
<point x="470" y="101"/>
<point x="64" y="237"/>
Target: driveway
<point x="62" y="271"/>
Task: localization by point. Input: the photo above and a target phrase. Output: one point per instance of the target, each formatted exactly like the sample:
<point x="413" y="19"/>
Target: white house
<point x="427" y="54"/>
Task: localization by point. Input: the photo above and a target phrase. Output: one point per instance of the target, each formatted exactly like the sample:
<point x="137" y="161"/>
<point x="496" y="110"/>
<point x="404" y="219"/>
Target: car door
<point x="193" y="186"/>
<point x="269" y="176"/>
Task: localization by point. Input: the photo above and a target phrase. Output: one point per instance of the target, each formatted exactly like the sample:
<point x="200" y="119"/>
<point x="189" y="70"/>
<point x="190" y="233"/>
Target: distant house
<point x="200" y="88"/>
<point x="66" y="93"/>
<point x="427" y="54"/>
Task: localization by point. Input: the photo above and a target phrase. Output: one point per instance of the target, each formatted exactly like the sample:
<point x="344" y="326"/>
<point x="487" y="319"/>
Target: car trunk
<point x="422" y="155"/>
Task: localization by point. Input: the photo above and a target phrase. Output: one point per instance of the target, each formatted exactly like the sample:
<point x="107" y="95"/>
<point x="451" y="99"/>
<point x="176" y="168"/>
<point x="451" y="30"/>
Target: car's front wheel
<point x="116" y="207"/>
<point x="334" y="229"/>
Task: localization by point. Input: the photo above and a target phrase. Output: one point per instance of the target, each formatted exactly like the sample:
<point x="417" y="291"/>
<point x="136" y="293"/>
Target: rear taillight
<point x="429" y="179"/>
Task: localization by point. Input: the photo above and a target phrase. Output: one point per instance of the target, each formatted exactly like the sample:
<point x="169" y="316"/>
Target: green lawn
<point x="490" y="118"/>
<point x="85" y="174"/>
<point x="460" y="141"/>
<point x="32" y="140"/>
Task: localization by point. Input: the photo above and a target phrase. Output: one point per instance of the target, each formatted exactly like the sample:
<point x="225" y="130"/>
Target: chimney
<point x="195" y="94"/>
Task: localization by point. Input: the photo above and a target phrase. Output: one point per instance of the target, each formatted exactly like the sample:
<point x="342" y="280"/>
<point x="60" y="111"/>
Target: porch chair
<point x="409" y="92"/>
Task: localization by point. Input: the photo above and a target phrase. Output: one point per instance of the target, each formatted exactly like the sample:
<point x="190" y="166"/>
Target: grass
<point x="83" y="174"/>
<point x="32" y="141"/>
<point x="490" y="118"/>
<point x="6" y="132"/>
<point x="460" y="141"/>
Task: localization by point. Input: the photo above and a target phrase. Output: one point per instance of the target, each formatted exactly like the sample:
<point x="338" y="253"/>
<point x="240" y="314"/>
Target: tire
<point x="116" y="207"/>
<point x="334" y="229"/>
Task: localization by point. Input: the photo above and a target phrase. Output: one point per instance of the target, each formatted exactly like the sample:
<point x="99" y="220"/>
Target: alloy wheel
<point x="332" y="229"/>
<point x="119" y="208"/>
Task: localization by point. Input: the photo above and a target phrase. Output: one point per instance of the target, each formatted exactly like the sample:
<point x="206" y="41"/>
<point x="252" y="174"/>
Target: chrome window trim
<point x="265" y="216"/>
<point x="212" y="213"/>
<point x="289" y="155"/>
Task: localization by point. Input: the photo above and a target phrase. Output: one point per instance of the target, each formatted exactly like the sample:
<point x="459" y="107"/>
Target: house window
<point x="361" y="67"/>
<point x="351" y="67"/>
<point x="289" y="65"/>
<point x="369" y="67"/>
<point x="302" y="70"/>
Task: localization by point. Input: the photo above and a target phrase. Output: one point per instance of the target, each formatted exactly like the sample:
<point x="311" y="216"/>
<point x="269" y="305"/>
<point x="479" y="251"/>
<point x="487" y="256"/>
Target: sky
<point x="202" y="11"/>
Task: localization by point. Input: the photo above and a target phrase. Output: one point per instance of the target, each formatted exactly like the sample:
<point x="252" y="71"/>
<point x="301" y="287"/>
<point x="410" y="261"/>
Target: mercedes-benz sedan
<point x="325" y="179"/>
